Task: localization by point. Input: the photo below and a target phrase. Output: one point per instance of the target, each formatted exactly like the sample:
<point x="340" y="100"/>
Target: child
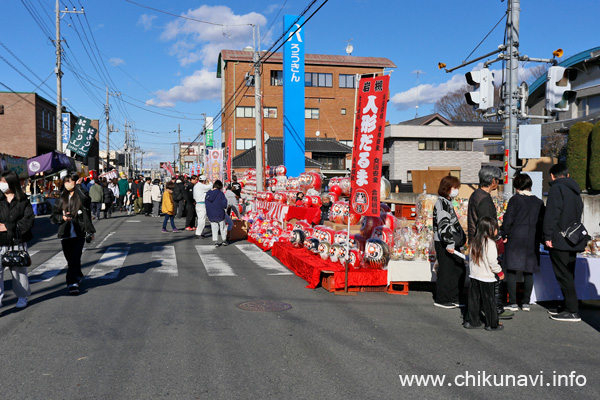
<point x="168" y="207"/>
<point x="483" y="267"/>
<point x="128" y="201"/>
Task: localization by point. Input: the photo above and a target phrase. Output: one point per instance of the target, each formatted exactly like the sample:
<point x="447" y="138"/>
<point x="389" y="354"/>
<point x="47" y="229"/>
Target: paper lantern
<point x="377" y="254"/>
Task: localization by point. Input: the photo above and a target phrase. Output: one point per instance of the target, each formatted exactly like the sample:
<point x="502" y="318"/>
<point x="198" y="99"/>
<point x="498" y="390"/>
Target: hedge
<point x="577" y="152"/>
<point x="594" y="168"/>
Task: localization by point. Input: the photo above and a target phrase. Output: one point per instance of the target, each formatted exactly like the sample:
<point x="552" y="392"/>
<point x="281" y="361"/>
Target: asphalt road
<point x="152" y="328"/>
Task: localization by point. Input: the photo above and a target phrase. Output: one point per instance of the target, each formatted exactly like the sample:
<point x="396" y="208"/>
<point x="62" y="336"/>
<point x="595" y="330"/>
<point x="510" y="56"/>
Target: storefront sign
<point x="82" y="137"/>
<point x="293" y="96"/>
<point x="368" y="145"/>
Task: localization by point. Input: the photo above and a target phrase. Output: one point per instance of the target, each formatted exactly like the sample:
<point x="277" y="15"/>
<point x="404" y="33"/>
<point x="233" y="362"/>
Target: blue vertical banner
<point x="293" y="96"/>
<point x="66" y="129"/>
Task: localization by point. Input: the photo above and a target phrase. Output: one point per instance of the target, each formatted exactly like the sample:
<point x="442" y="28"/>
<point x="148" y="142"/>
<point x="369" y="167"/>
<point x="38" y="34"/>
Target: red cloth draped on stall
<point x="309" y="266"/>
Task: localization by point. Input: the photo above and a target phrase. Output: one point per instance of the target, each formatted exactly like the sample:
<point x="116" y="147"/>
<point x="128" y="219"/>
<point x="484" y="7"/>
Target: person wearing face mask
<point x="16" y="221"/>
<point x="522" y="235"/>
<point x="448" y="238"/>
<point x="72" y="215"/>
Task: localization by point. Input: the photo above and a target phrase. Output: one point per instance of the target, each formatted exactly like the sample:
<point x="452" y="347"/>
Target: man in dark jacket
<point x="481" y="205"/>
<point x="563" y="208"/>
<point x="216" y="203"/>
<point x="137" y="191"/>
<point x="190" y="205"/>
<point x="179" y="197"/>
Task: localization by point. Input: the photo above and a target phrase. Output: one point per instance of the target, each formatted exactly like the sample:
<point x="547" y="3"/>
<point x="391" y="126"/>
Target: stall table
<point x="309" y="267"/>
<point x="587" y="280"/>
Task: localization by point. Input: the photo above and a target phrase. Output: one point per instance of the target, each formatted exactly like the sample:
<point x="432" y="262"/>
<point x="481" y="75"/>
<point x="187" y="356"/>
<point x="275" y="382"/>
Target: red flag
<point x="368" y="145"/>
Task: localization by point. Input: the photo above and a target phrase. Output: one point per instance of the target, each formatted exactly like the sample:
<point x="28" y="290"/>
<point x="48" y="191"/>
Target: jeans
<point x="96" y="208"/>
<point x="20" y="282"/>
<point x="72" y="249"/>
<point x="169" y="218"/>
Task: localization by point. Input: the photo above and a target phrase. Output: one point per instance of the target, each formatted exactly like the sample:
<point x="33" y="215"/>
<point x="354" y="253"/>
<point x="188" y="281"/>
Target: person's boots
<point x="502" y="313"/>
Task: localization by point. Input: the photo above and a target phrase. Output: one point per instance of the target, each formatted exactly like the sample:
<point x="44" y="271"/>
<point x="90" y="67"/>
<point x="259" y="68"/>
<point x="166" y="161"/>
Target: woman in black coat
<point x="16" y="221"/>
<point x="72" y="214"/>
<point x="108" y="197"/>
<point x="522" y="233"/>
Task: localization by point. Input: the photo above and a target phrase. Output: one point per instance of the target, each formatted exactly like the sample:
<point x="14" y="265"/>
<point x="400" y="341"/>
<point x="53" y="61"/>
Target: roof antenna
<point x="418" y="72"/>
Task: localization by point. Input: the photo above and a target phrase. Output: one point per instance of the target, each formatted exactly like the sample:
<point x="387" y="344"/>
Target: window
<point x="329" y="161"/>
<point x="276" y="78"/>
<point x="43" y="119"/>
<point x="244" y="144"/>
<point x="387" y="144"/>
<point x="270" y="112"/>
<point x="347" y="81"/>
<point x="446" y="145"/>
<point x="311" y="113"/>
<point x="244" y="112"/>
<point x="346" y="142"/>
<point x="343" y="111"/>
<point x="318" y="80"/>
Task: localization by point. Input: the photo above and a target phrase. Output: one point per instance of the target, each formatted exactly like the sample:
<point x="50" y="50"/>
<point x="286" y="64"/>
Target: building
<point x="432" y="142"/>
<point x="28" y="127"/>
<point x="586" y="106"/>
<point x="325" y="155"/>
<point x="191" y="153"/>
<point x="329" y="95"/>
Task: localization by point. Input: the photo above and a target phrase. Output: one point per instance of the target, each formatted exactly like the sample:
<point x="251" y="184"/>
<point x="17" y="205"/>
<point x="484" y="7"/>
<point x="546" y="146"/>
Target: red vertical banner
<point x="229" y="154"/>
<point x="367" y="152"/>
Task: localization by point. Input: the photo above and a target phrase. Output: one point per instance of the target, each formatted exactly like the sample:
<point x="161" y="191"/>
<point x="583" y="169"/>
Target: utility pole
<point x="258" y="111"/>
<point x="179" y="144"/>
<point x="108" y="129"/>
<point x="127" y="149"/>
<point x="511" y="93"/>
<point x="59" y="74"/>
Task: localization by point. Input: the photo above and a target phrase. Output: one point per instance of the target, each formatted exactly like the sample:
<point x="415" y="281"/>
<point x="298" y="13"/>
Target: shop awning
<point x="50" y="163"/>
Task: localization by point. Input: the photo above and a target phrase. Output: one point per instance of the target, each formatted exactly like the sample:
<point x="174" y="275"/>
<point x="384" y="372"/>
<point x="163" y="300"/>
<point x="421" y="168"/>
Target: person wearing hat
<point x="199" y="194"/>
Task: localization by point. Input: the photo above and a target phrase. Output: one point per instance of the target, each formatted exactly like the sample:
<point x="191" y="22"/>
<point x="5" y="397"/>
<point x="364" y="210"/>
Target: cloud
<point x="201" y="42"/>
<point x="116" y="61"/>
<point x="271" y="8"/>
<point x="429" y="94"/>
<point x="146" y="21"/>
<point x="201" y="85"/>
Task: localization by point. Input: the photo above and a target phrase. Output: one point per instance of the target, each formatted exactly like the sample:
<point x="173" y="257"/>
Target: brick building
<point x="28" y="127"/>
<point x="329" y="95"/>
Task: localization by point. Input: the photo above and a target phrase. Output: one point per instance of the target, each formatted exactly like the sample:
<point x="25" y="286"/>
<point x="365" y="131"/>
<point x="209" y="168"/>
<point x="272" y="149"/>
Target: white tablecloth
<point x="587" y="280"/>
<point x="410" y="271"/>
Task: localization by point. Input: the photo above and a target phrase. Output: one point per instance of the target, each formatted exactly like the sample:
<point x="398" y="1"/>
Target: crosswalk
<point x="163" y="260"/>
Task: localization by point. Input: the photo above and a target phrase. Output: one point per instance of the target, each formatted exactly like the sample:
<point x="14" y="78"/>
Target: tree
<point x="454" y="107"/>
<point x="555" y="145"/>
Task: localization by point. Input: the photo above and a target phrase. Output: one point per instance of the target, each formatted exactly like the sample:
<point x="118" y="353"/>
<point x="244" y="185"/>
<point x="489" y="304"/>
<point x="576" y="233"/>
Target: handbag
<point x="459" y="237"/>
<point x="575" y="233"/>
<point x="16" y="257"/>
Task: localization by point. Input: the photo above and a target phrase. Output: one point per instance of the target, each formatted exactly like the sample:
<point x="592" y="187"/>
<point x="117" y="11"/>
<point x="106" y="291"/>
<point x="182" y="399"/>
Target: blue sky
<point x="164" y="67"/>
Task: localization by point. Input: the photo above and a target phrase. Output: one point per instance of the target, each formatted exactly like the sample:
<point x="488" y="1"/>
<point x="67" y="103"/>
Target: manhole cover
<point x="264" y="306"/>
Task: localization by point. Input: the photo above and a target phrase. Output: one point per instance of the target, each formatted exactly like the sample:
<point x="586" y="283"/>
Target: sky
<point x="161" y="69"/>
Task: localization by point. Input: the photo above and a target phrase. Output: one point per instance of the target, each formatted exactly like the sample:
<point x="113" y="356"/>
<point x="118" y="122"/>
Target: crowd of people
<point x="498" y="253"/>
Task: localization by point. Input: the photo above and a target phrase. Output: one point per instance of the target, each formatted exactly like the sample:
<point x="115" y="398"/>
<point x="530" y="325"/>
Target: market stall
<point x="43" y="171"/>
<point x="587" y="280"/>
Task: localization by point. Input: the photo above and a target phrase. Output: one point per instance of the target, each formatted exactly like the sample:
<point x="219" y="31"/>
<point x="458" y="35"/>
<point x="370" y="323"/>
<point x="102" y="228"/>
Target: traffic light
<point x="558" y="89"/>
<point x="483" y="96"/>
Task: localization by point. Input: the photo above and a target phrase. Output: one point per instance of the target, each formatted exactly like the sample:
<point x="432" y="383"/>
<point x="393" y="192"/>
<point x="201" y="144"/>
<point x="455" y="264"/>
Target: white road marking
<point x="213" y="262"/>
<point x="32" y="252"/>
<point x="165" y="255"/>
<point x="133" y="220"/>
<point x="49" y="269"/>
<point x="263" y="260"/>
<point x="104" y="240"/>
<point x="110" y="262"/>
